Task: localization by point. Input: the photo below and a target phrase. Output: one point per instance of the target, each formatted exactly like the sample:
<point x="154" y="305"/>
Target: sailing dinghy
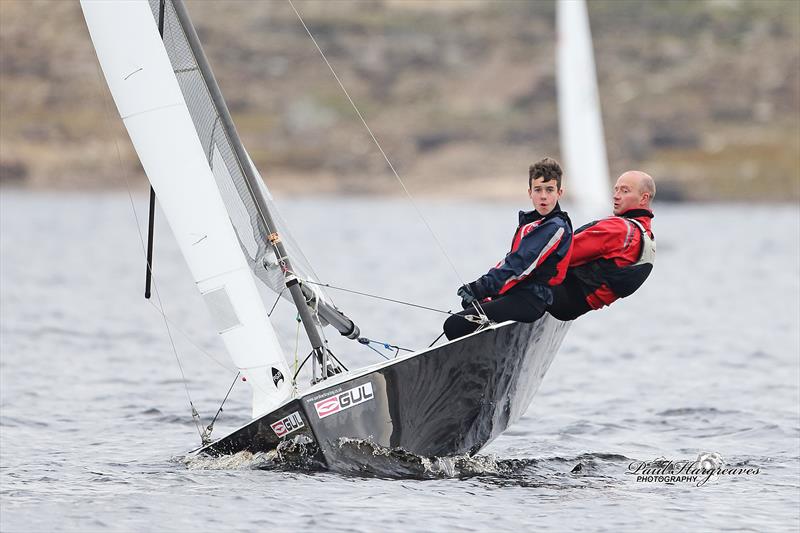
<point x="450" y="399"/>
<point x="580" y="121"/>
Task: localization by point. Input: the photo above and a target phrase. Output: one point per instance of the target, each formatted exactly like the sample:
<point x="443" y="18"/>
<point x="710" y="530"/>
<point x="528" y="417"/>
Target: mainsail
<point x="217" y="145"/>
<point x="583" y="147"/>
<point x="186" y="148"/>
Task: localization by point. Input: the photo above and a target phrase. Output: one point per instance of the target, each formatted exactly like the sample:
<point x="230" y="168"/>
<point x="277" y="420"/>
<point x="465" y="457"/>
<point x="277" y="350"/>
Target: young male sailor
<point x="611" y="257"/>
<point x="519" y="287"/>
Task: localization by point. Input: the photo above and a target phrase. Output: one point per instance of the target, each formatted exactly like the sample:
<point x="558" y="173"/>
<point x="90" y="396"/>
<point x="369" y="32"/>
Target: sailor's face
<point x="627" y="194"/>
<point x="544" y="195"/>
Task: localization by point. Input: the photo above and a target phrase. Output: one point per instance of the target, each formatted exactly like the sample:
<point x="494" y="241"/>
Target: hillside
<point x="461" y="94"/>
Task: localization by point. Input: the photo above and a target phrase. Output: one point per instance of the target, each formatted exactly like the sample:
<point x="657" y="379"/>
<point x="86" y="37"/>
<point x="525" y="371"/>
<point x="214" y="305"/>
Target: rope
<point x="368" y="342"/>
<point x="396" y="349"/>
<point x="107" y="114"/>
<point x="377" y="352"/>
<point x="301" y="366"/>
<point x="477" y="304"/>
<point x="368" y="295"/>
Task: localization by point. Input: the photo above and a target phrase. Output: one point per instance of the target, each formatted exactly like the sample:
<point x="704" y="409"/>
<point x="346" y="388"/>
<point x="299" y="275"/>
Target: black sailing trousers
<point x="521" y="306"/>
<point x="568" y="301"/>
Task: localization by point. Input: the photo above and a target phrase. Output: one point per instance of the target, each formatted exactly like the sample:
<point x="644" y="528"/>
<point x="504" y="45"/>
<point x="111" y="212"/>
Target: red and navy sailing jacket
<point x="606" y="256"/>
<point x="538" y="259"/>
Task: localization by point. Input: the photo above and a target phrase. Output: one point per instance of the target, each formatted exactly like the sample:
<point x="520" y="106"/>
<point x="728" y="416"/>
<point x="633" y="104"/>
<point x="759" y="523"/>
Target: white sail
<point x="583" y="147"/>
<point x="149" y="100"/>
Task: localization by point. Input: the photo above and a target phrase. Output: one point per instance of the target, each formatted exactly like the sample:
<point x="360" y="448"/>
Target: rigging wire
<point x="210" y="427"/>
<point x="377" y="352"/>
<point x="391" y="347"/>
<point x="296" y="351"/>
<point x="476" y="303"/>
<point x="195" y="415"/>
<point x="199" y="348"/>
<point x="278" y="299"/>
<point x="375" y="296"/>
<point x="436" y="339"/>
<point x="328" y="350"/>
<point x="189" y="339"/>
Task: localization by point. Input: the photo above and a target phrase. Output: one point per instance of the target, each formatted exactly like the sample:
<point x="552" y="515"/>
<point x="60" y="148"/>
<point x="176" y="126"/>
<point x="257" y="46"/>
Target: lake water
<point x="94" y="423"/>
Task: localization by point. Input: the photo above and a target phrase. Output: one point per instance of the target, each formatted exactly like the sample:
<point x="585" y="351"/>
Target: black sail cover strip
<point x="148" y="275"/>
<point x="239" y="202"/>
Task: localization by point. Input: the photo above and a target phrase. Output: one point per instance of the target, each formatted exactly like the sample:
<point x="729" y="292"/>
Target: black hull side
<point x="451" y="399"/>
<point x="258" y="435"/>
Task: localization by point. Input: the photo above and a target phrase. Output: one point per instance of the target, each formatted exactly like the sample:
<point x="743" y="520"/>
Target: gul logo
<point x="344" y="400"/>
<point x="287" y="424"/>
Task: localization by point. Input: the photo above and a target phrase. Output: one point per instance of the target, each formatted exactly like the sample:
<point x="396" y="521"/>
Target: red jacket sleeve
<point x="605" y="237"/>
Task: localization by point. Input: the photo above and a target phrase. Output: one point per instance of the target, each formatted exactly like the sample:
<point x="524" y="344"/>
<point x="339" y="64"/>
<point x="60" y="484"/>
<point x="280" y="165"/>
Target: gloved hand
<point x="467" y="295"/>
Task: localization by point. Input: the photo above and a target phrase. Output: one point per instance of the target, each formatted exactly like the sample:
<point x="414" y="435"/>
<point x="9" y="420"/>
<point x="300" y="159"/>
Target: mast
<point x="292" y="283"/>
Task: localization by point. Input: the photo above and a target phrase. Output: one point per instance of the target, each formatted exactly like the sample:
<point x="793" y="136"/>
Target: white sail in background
<point x="150" y="101"/>
<point x="583" y="147"/>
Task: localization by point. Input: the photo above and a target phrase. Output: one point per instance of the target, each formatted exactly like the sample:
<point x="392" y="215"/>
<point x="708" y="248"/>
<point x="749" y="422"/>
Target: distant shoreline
<point x="295" y="194"/>
<point x="702" y="95"/>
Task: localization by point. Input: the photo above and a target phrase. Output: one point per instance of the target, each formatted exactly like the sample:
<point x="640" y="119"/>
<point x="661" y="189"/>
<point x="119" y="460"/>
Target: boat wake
<point x="362" y="458"/>
<point x="298" y="454"/>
